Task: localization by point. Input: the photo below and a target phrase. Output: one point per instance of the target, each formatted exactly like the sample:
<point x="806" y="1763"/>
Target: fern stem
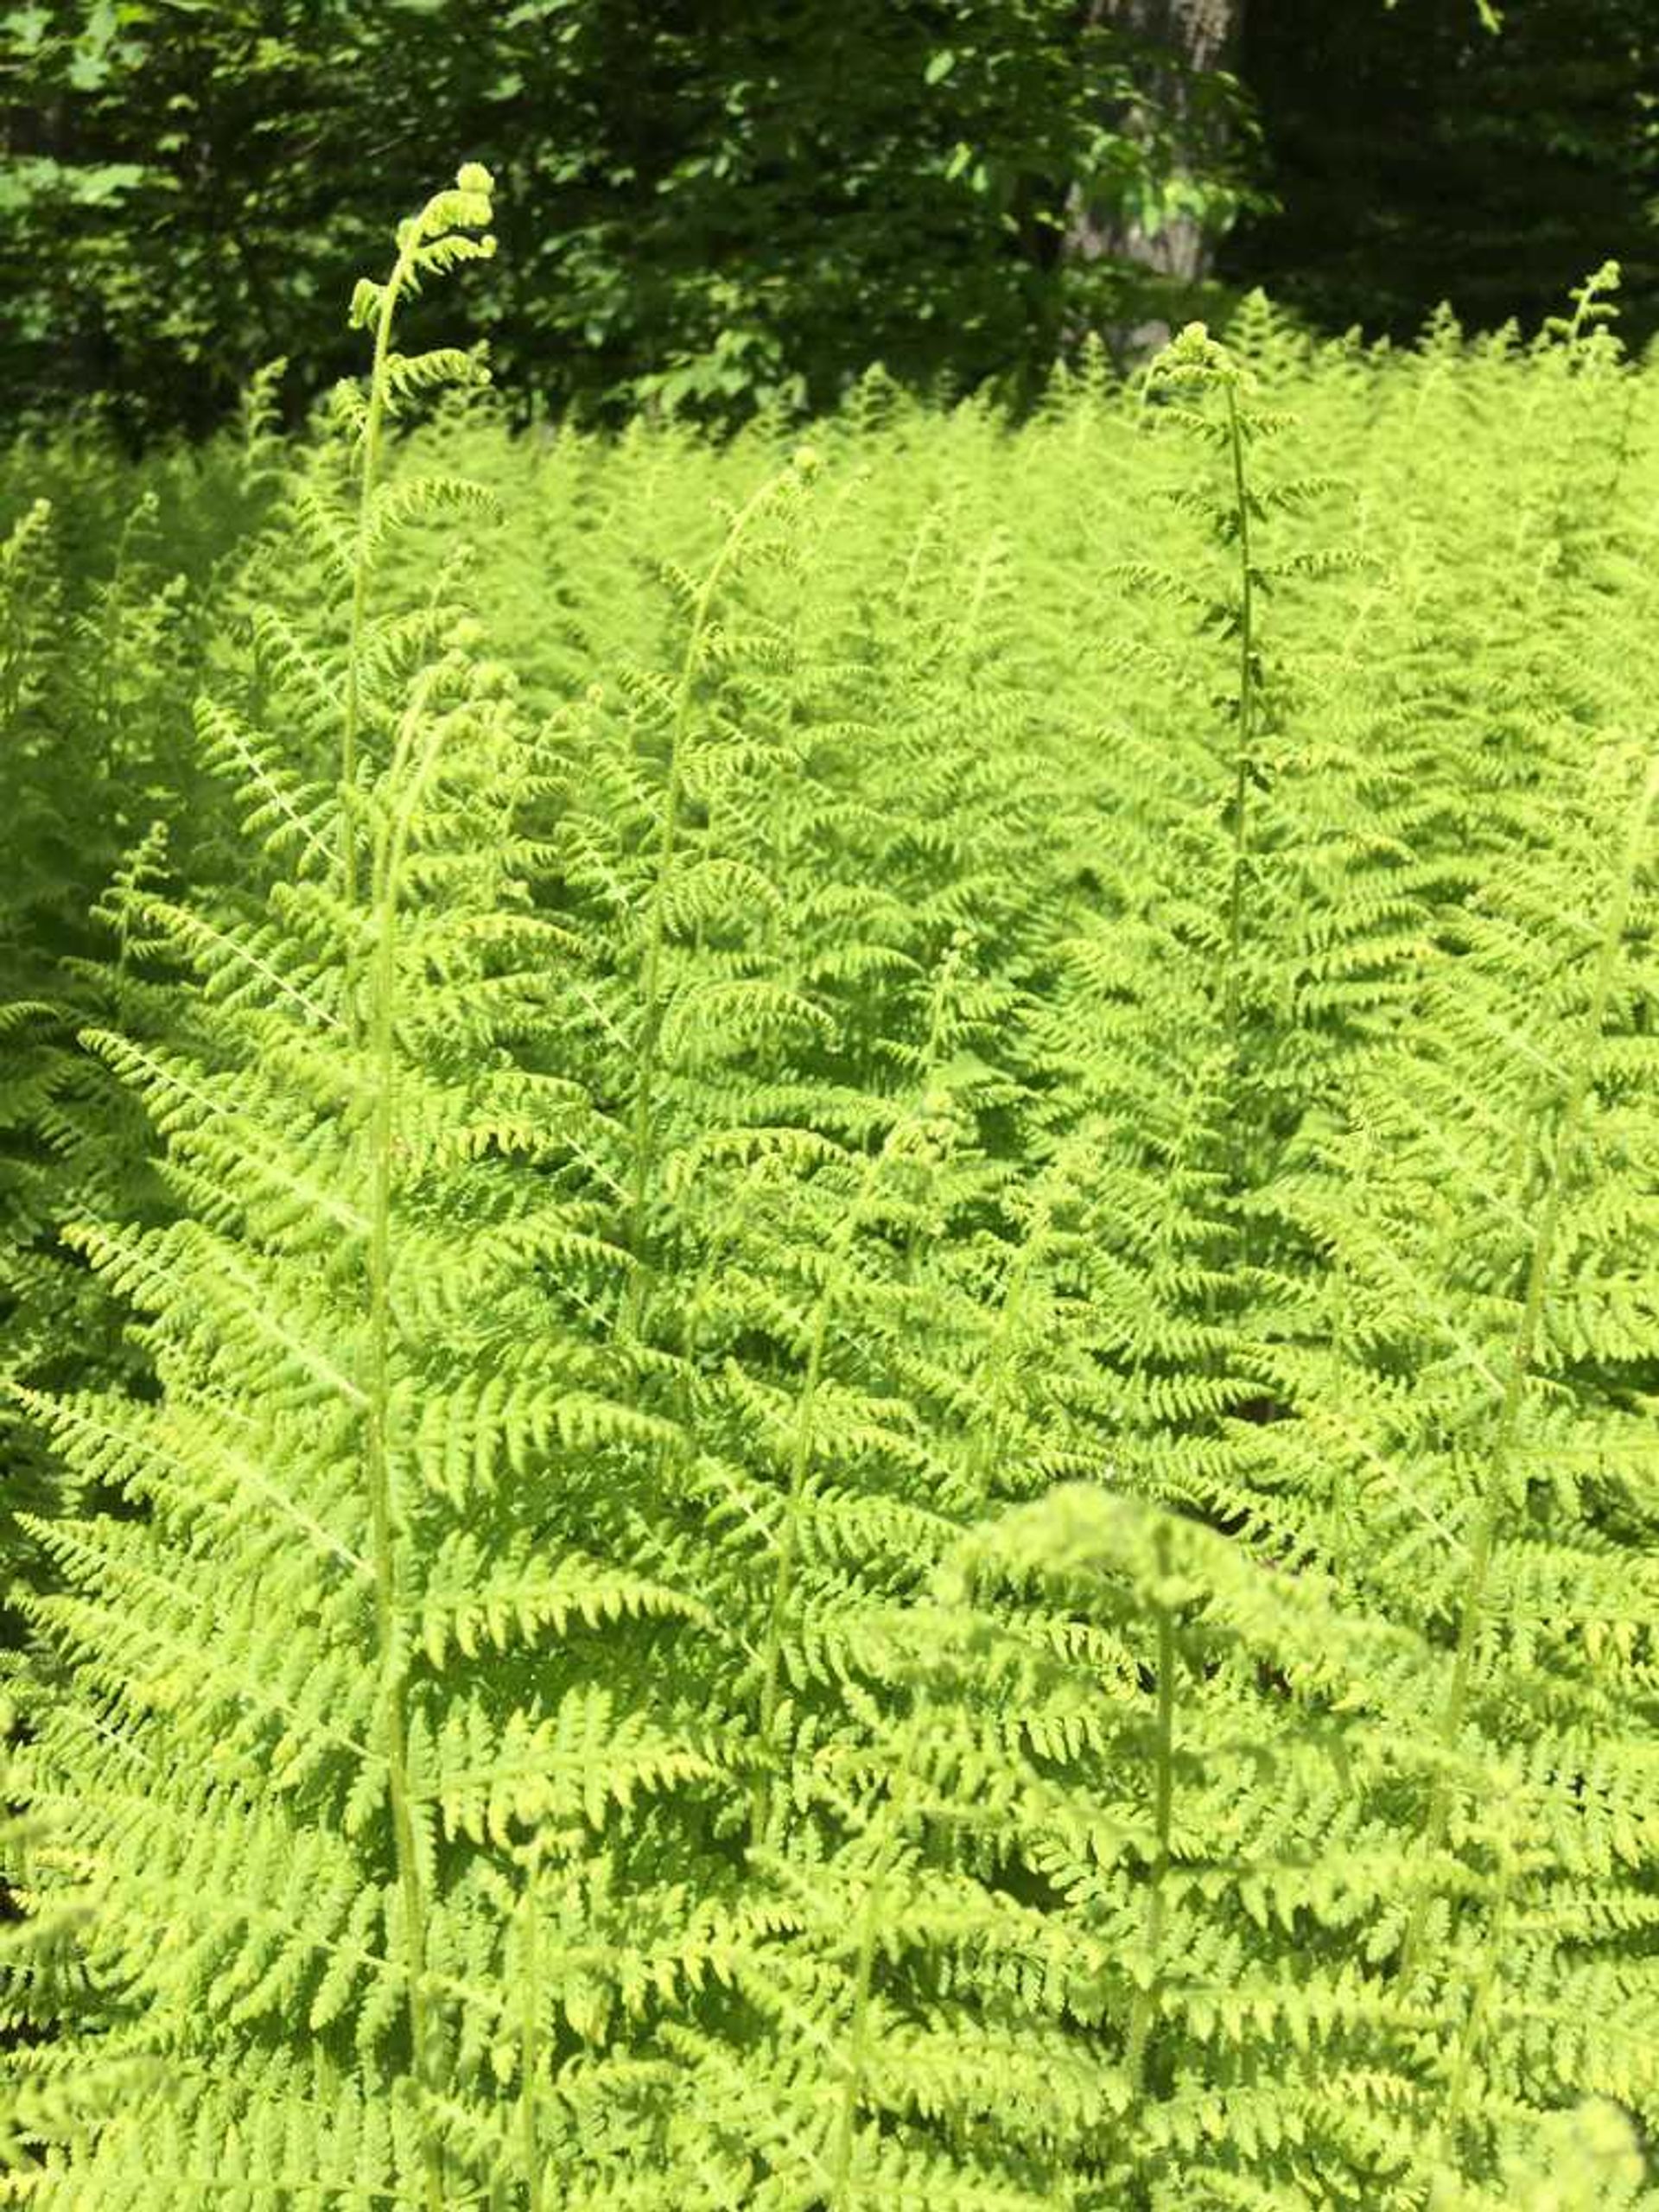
<point x="1480" y="2000"/>
<point x="1524" y="1351"/>
<point x="929" y="522"/>
<point x="651" y="978"/>
<point x="377" y="1389"/>
<point x="530" y="2036"/>
<point x="1244" y="730"/>
<point x="405" y="791"/>
<point x="1140" y="2018"/>
<point x="894" y="1818"/>
<point x="783" y="1583"/>
<point x="937" y="1021"/>
<point x="841" y="2167"/>
<point x="998" y="1371"/>
<point x="800" y="1468"/>
<point x="984" y="569"/>
<point x="800" y="1461"/>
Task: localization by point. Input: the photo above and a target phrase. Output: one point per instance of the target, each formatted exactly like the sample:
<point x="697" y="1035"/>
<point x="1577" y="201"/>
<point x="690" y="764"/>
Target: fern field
<point x="828" y="1311"/>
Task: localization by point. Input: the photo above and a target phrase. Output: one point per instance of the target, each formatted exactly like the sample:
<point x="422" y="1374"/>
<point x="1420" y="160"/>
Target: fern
<point x="824" y="1289"/>
<point x="331" y="1406"/>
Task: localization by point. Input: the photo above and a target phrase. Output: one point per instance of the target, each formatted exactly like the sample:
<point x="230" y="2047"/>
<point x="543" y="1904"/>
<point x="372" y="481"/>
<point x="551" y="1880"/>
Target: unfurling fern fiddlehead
<point x="436" y="239"/>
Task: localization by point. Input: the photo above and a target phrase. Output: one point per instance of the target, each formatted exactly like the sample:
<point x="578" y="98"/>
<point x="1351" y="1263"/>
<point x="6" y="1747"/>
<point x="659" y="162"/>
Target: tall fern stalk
<point x="1195" y="357"/>
<point x="837" y="1270"/>
<point x="652" y="997"/>
<point x="530" y="2029"/>
<point x="1245" y="729"/>
<point x="377" y="1461"/>
<point x="1163" y="1790"/>
<point x="798" y="1475"/>
<point x="1524" y="1348"/>
<point x="428" y="239"/>
<point x="1467" y="2056"/>
<point x="842" y="2194"/>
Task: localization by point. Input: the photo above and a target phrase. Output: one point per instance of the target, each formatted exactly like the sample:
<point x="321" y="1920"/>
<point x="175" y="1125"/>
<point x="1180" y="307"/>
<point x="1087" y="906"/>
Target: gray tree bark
<point x="1197" y="35"/>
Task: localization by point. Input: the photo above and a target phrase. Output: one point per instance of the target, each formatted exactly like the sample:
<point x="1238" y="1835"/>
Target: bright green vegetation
<point x="699" y="213"/>
<point x="827" y="1285"/>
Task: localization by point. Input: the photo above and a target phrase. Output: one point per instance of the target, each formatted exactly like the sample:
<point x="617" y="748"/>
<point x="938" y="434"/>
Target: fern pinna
<point x="883" y="1430"/>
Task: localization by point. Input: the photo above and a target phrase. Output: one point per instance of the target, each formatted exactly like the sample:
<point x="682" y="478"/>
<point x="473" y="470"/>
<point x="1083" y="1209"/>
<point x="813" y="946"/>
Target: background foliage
<point x="713" y="209"/>
<point x="1414" y="158"/>
<point x="723" y="206"/>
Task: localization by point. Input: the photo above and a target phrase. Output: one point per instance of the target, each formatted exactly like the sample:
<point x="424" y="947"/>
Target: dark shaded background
<point x="1417" y="159"/>
<point x="712" y="207"/>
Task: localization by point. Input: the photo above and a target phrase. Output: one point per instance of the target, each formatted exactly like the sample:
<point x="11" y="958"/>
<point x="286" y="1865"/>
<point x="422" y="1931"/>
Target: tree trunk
<point x="1186" y="40"/>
